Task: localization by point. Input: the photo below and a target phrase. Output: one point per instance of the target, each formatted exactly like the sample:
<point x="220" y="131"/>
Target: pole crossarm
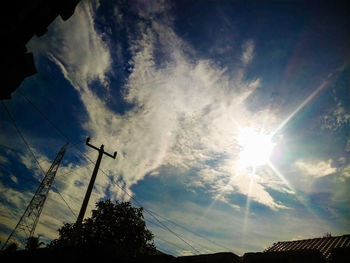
<point x="101" y="152"/>
<point x="101" y="148"/>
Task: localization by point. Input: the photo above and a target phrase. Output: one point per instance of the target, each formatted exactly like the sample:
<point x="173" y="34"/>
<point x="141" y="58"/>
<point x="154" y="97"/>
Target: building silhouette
<point x="20" y="21"/>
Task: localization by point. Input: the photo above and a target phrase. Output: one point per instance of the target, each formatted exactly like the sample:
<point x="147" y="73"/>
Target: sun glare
<point x="255" y="147"/>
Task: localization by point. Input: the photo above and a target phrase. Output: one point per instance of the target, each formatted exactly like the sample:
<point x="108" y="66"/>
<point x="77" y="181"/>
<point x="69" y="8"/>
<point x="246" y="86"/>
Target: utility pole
<point x="92" y="180"/>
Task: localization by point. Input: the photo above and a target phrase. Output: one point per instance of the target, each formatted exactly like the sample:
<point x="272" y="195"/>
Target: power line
<point x="51" y="122"/>
<point x="73" y="171"/>
<point x="29" y="219"/>
<point x="88" y="158"/>
<point x="10" y="148"/>
<point x="27" y="179"/>
<point x="151" y="214"/>
<point x="165" y="251"/>
<point x="56" y="127"/>
<point x="170" y="243"/>
<point x="22" y="179"/>
<point x="175" y="245"/>
<point x="101" y="153"/>
<point x="199" y="244"/>
<point x="32" y="153"/>
<point x="54" y="187"/>
<point x="189" y="230"/>
<point x="15" y="150"/>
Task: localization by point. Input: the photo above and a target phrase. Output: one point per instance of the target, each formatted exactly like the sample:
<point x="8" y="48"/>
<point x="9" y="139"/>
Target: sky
<point x="231" y="121"/>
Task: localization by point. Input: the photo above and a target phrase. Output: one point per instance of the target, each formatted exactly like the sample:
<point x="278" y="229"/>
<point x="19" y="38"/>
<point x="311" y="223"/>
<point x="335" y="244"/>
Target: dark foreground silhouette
<point x="106" y="255"/>
<point x="116" y="232"/>
<point x="20" y="21"/>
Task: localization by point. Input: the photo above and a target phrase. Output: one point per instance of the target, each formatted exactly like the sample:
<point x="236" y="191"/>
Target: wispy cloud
<point x="3" y="159"/>
<point x="182" y="122"/>
<point x="318" y="168"/>
<point x="65" y="186"/>
<point x="185" y="110"/>
<point x="225" y="227"/>
<point x="346" y="171"/>
<point x="248" y="52"/>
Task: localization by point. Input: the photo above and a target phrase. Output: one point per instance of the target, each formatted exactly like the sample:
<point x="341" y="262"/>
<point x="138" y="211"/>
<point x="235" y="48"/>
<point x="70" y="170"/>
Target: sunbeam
<point x="279" y="175"/>
<point x="306" y="101"/>
<point x="308" y="208"/>
<point x="246" y="213"/>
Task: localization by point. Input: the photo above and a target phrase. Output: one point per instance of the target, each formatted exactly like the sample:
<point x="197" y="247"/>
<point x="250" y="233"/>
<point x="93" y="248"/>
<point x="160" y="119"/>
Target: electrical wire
<point x="165" y="251"/>
<point x="32" y="153"/>
<point x="89" y="159"/>
<point x="51" y="122"/>
<point x="171" y="243"/>
<point x="191" y="231"/>
<point x="15" y="150"/>
<point x="195" y="242"/>
<point x="53" y="186"/>
<point x="73" y="171"/>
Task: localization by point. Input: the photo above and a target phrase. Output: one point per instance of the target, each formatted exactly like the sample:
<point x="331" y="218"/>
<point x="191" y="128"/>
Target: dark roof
<point x="222" y="257"/>
<point x="20" y="21"/>
<point x="324" y="244"/>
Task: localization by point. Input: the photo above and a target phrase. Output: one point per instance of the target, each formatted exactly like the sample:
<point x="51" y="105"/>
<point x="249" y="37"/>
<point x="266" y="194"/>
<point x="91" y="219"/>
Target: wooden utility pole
<point x="92" y="180"/>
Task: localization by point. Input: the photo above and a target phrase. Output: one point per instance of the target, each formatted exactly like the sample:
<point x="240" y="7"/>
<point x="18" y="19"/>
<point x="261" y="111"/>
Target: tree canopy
<point x="118" y="226"/>
<point x="33" y="243"/>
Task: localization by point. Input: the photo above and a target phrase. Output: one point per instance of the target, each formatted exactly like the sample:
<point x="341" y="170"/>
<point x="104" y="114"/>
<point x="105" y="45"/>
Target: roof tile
<point x="325" y="245"/>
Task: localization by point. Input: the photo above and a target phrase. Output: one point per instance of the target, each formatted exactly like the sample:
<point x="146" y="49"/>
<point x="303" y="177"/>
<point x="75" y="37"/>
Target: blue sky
<point x="230" y="118"/>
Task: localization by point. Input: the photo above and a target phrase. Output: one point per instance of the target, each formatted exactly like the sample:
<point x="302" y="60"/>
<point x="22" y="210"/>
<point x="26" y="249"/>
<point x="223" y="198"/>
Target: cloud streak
<point x="185" y="111"/>
<point x="248" y="52"/>
<point x="316" y="169"/>
<point x="176" y="127"/>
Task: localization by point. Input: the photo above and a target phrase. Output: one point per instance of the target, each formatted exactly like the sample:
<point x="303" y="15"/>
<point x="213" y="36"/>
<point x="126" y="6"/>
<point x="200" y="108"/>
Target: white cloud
<point x="346" y="171"/>
<point x="77" y="47"/>
<point x="185" y="116"/>
<point x="317" y="168"/>
<point x="227" y="229"/>
<point x="14" y="178"/>
<point x="55" y="211"/>
<point x="226" y="182"/>
<point x="149" y="9"/>
<point x="15" y="198"/>
<point x="186" y="110"/>
<point x="3" y="159"/>
<point x="248" y="52"/>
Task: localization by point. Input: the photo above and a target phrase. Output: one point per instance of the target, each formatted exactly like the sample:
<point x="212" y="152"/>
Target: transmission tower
<point x="26" y="225"/>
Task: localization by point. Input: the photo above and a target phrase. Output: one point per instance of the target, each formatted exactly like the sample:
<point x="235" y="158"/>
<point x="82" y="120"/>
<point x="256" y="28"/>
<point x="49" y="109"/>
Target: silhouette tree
<point x="118" y="226"/>
<point x="33" y="243"/>
<point x="327" y="234"/>
<point x="12" y="247"/>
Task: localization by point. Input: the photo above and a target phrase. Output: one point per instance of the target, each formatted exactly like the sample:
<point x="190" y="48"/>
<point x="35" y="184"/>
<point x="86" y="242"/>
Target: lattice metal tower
<point x="26" y="225"/>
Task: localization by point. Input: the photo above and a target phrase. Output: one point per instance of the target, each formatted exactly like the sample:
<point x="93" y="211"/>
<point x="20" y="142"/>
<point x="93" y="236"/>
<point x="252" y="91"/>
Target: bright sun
<point x="256" y="148"/>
